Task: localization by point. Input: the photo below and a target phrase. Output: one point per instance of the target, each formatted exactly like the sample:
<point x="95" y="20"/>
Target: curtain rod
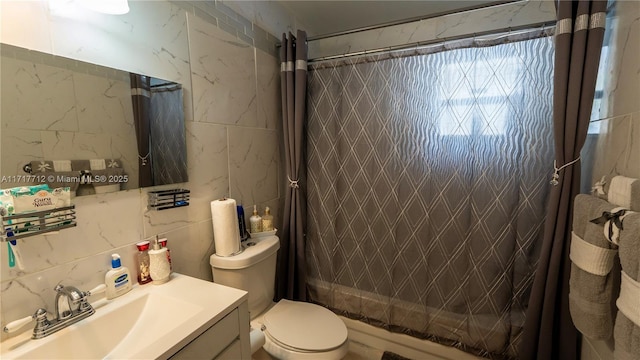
<point x="418" y="44"/>
<point x="403" y="21"/>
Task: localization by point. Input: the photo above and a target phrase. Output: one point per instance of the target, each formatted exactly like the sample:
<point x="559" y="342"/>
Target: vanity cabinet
<point x="186" y="318"/>
<point x="227" y="339"/>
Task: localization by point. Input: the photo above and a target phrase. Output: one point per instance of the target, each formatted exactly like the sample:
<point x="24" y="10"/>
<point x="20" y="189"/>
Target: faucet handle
<point x="96" y="290"/>
<point x="40" y="314"/>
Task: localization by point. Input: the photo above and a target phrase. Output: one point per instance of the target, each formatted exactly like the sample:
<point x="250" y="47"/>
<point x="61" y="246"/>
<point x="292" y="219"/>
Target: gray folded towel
<point x="633" y="196"/>
<point x="591" y="294"/>
<point x="626" y="333"/>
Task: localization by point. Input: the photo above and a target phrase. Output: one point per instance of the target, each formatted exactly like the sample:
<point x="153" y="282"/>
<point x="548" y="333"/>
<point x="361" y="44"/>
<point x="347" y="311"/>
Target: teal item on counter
<point x="28" y="190"/>
<point x="12" y="257"/>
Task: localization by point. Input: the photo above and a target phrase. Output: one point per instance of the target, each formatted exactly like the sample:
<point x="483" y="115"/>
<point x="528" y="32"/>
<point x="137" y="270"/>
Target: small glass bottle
<point x="255" y="221"/>
<point x="163" y="243"/>
<point x="267" y="220"/>
<point x="144" y="275"/>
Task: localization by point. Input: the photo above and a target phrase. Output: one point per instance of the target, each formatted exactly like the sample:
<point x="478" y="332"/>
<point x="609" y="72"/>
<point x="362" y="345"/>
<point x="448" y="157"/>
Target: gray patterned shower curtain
<point x="428" y="176"/>
<point x="168" y="149"/>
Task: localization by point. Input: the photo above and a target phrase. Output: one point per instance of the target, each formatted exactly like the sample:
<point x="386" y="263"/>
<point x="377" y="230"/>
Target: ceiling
<point x="327" y="17"/>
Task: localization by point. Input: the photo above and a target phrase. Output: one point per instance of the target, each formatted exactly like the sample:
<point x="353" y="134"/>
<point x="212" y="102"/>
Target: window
<point x="475" y="96"/>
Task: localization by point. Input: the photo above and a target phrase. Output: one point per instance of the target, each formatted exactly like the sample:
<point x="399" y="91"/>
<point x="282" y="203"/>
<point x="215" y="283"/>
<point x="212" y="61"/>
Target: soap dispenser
<point x="117" y="279"/>
<point x="163" y="244"/>
<point x="143" y="262"/>
<point x="267" y="220"/>
<point x="255" y="221"/>
<point x="159" y="263"/>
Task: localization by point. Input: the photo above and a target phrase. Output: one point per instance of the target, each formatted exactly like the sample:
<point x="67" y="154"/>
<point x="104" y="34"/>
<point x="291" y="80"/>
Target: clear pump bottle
<point x="267" y="220"/>
<point x="255" y="221"/>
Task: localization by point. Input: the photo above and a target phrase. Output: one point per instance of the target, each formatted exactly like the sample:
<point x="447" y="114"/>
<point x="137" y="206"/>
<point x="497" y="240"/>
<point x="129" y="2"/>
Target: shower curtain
<point x="168" y="147"/>
<point x="141" y="100"/>
<point x="428" y="178"/>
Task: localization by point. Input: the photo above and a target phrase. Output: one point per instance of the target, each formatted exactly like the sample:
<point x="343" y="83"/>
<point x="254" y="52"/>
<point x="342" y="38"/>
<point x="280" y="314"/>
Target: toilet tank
<point x="253" y="270"/>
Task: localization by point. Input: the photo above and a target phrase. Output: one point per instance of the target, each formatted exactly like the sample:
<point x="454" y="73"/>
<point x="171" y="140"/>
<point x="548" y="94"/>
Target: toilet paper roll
<point x="256" y="339"/>
<point x="226" y="235"/>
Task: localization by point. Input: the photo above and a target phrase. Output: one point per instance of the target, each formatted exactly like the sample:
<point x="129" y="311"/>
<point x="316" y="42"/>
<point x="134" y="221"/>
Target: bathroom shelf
<point x="168" y="199"/>
<point x="24" y="225"/>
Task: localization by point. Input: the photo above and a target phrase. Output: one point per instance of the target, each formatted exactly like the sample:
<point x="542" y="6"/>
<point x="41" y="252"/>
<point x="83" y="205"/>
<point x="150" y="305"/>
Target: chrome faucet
<point x="71" y="306"/>
<point x="76" y="302"/>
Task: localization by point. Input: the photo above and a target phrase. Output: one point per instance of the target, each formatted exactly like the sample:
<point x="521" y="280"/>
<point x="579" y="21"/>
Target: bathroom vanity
<point x="185" y="318"/>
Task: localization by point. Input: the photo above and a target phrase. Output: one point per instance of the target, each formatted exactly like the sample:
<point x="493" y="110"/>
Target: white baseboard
<point x="401" y="344"/>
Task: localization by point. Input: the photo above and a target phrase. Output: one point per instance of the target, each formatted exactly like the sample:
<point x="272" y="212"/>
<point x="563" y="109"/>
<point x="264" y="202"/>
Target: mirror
<point x="55" y="109"/>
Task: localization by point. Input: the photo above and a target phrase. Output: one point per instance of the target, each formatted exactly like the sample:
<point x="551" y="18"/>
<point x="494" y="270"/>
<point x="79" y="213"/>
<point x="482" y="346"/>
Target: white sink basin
<point x="149" y="322"/>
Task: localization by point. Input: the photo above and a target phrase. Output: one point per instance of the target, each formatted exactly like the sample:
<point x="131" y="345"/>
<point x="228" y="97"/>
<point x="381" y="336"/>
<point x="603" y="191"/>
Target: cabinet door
<point x="213" y="341"/>
<point x="232" y="352"/>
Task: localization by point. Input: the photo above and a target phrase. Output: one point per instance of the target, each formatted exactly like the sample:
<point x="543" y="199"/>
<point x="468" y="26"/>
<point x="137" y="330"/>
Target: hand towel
<point x="611" y="222"/>
<point x="61" y="165"/>
<point x="627" y="333"/>
<point x="625" y="192"/>
<point x="591" y="283"/>
<point x="40" y="166"/>
<point x="97" y="164"/>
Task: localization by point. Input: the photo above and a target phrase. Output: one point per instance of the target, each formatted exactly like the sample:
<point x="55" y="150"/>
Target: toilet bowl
<point x="299" y="330"/>
<point x="292" y="329"/>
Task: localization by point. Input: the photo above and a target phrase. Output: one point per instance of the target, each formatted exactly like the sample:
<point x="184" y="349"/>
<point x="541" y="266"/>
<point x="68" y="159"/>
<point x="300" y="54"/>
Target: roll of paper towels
<point x="256" y="339"/>
<point x="226" y="234"/>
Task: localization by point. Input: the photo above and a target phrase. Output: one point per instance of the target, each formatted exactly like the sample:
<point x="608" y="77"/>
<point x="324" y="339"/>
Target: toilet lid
<point x="305" y="326"/>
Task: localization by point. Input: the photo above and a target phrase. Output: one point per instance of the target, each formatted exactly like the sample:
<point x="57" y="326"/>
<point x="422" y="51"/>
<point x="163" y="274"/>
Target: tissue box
<point x="25" y="199"/>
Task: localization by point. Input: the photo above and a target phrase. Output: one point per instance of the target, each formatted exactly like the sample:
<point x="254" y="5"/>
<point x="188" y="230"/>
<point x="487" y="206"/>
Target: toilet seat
<point x="304" y="327"/>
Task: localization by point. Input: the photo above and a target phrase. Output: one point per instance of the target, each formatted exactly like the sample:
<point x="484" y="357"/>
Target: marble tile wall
<point x="613" y="143"/>
<point x="244" y="20"/>
<point x="232" y="126"/>
<point x="459" y="24"/>
<point x="268" y="14"/>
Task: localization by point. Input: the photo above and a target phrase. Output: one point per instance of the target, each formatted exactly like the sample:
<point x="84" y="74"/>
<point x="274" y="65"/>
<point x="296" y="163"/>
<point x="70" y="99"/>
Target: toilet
<point x="292" y="329"/>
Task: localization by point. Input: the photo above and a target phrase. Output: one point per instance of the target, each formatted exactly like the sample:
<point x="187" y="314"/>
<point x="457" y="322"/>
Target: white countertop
<point x="193" y="304"/>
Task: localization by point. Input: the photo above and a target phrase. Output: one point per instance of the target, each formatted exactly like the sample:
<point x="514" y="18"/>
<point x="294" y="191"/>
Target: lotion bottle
<point x="267" y="220"/>
<point x="255" y="221"/>
<point x="159" y="264"/>
<point x="118" y="279"/>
